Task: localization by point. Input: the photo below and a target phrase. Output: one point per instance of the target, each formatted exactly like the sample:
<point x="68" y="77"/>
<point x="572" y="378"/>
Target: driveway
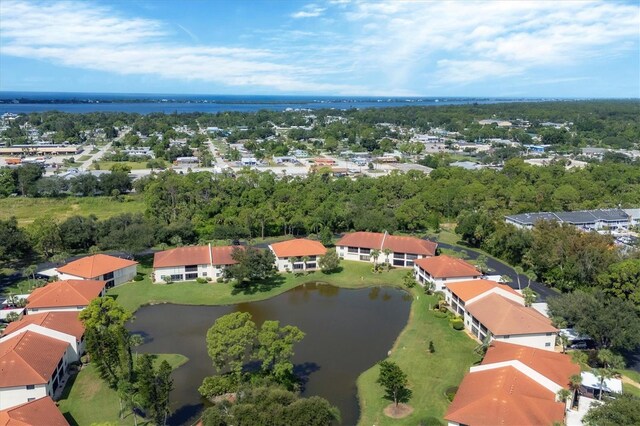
<point x="499" y="268"/>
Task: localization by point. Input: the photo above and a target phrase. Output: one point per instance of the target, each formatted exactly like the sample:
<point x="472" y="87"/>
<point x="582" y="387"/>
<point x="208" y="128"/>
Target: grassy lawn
<point x="429" y="374"/>
<point x="106" y="165"/>
<point x="26" y="210"/>
<point x="83" y="158"/>
<point x="88" y="400"/>
<point x="135" y="294"/>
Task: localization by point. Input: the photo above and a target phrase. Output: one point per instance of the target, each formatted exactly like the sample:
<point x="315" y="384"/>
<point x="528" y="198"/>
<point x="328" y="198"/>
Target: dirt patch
<point x="398" y="412"/>
<point x="629" y="381"/>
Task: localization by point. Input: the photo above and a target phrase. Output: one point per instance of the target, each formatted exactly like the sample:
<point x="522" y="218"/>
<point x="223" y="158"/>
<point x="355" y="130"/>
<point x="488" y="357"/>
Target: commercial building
<point x="585" y="219"/>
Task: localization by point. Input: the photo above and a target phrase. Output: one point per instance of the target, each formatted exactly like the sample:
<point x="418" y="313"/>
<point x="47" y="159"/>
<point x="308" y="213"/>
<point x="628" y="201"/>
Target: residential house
<point x="192" y="262"/>
<point x="67" y="295"/>
<point x="460" y="293"/>
<point x="396" y="250"/>
<point x="504" y="316"/>
<point x="100" y="267"/>
<point x="42" y="411"/>
<point x="65" y="326"/>
<point x="32" y="366"/>
<point x="439" y="270"/>
<point x="297" y="255"/>
<point x="514" y="385"/>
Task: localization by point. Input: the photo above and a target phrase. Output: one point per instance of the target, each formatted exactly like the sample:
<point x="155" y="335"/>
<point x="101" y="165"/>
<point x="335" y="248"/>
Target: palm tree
<point x="564" y="394"/>
<point x="375" y="254"/>
<point x="610" y="363"/>
<point x="387" y="252"/>
<point x="30" y="271"/>
<point x="305" y="259"/>
<point x="482" y="348"/>
<point x="293" y="260"/>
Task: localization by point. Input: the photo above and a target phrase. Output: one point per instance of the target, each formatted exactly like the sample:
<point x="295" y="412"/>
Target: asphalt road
<point x="499" y="268"/>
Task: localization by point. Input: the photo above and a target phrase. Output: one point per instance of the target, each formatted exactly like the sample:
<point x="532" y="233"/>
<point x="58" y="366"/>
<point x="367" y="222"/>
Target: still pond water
<point x="347" y="331"/>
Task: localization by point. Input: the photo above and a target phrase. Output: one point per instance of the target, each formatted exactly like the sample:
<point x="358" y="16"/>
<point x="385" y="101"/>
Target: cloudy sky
<point x="548" y="48"/>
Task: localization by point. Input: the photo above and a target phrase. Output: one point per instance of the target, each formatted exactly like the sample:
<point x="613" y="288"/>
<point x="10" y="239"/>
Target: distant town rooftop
<point x="575" y="217"/>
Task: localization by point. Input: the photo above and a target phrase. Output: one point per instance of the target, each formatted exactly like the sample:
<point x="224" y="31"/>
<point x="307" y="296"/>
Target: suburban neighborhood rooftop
<point x="444" y="266"/>
<point x="65" y="293"/>
<point x="467" y="290"/>
<point x="64" y="322"/>
<point x="381" y="241"/>
<point x="95" y="266"/>
<point x="42" y="411"/>
<point x="298" y="247"/>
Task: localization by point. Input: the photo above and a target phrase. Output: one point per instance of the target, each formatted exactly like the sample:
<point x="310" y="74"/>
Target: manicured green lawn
<point x="26" y="210"/>
<point x="354" y="275"/>
<point x="429" y="374"/>
<point x="88" y="400"/>
<point x="84" y="158"/>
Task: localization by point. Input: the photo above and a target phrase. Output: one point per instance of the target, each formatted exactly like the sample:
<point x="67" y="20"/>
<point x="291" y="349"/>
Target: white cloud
<point x="309" y="11"/>
<point x="97" y="38"/>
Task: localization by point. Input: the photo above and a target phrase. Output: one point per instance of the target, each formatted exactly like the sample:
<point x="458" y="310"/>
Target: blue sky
<point x="340" y="47"/>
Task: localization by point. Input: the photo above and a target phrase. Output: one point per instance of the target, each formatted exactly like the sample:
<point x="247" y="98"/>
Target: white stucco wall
<point x="12" y="396"/>
<point x="540" y="341"/>
<point x="283" y="264"/>
<point x="55" y="309"/>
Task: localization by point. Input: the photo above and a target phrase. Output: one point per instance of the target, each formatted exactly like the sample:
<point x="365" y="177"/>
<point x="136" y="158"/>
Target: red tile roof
<point x="502" y="316"/>
<point x="194" y="255"/>
<point x="503" y="396"/>
<point x="65" y="293"/>
<point x="95" y="266"/>
<point x="467" y="290"/>
<point x="447" y="267"/>
<point x="378" y="241"/>
<point x="40" y="412"/>
<point x="298" y="248"/>
<point x="64" y="322"/>
<point x="555" y="366"/>
<point x="29" y="359"/>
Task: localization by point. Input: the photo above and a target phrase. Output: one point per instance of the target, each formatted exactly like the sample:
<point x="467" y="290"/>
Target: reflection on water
<point x="347" y="331"/>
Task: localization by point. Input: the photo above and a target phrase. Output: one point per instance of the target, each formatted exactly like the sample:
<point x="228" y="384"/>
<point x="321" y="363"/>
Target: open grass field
<point x="106" y="165"/>
<point x="429" y="374"/>
<point x="88" y="400"/>
<point x="26" y="210"/>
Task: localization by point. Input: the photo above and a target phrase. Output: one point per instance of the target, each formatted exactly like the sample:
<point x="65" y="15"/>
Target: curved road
<point x="500" y="268"/>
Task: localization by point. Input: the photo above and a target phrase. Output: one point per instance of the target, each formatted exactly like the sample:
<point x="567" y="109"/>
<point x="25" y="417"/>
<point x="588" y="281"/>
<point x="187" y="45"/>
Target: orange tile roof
<point x="503" y="396"/>
<point x="399" y="244"/>
<point x="467" y="290"/>
<point x="95" y="266"/>
<point x="502" y="316"/>
<point x="42" y="411"/>
<point x="181" y="256"/>
<point x="444" y="266"/>
<point x="555" y="366"/>
<point x="298" y="248"/>
<point x="65" y="293"/>
<point x="222" y="254"/>
<point x="64" y="322"/>
<point x="194" y="255"/>
<point x="29" y="359"/>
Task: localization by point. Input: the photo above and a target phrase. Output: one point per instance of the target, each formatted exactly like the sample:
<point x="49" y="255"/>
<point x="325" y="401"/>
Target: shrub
<point x="450" y="392"/>
<point x="201" y="280"/>
<point x="220" y="280"/>
<point x="84" y="359"/>
<point x="439" y="314"/>
<point x="457" y="324"/>
<point x="138" y="277"/>
<point x="430" y="421"/>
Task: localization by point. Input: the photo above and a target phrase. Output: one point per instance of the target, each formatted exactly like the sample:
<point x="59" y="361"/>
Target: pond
<point x="347" y="331"/>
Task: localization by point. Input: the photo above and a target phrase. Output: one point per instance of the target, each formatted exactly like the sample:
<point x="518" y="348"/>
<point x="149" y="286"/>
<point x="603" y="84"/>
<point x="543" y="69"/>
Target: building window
<point x="204" y="274"/>
<point x="506" y="337"/>
<point x="353" y="250"/>
<point x="29" y="387"/>
<point x="312" y="265"/>
<point x="409" y="262"/>
<point x="547" y="344"/>
<point x="412" y="256"/>
<point x="298" y="265"/>
<point x="177" y="277"/>
<point x="549" y="334"/>
<point x="398" y="262"/>
<point x="365" y="251"/>
<point x="398" y="255"/>
<point x="108" y="276"/>
<point x="191" y="268"/>
<point x="365" y="258"/>
<point x="30" y="399"/>
<point x="191" y="276"/>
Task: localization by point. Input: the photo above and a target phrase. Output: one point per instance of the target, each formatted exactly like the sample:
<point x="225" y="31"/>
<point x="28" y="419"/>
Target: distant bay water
<point x="26" y="102"/>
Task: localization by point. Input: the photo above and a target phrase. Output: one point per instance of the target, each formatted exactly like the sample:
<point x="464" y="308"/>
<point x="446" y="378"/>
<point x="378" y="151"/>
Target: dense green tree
<point x="7" y="182"/>
<point x="622" y="279"/>
<point x="394" y="381"/>
<point x="26" y="177"/>
<point x="230" y="340"/>
<point x="85" y="185"/>
<point x="107" y="340"/>
<point x="475" y="227"/>
<point x="623" y="410"/>
<point x="15" y="241"/>
<point x="79" y="232"/>
<point x="115" y="182"/>
<point x="164" y="386"/>
<point x="275" y="349"/>
<point x="45" y="236"/>
<point x="330" y="262"/>
<point x="253" y="265"/>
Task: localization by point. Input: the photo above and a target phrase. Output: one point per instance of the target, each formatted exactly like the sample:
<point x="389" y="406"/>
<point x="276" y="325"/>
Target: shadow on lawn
<point x="258" y="286"/>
